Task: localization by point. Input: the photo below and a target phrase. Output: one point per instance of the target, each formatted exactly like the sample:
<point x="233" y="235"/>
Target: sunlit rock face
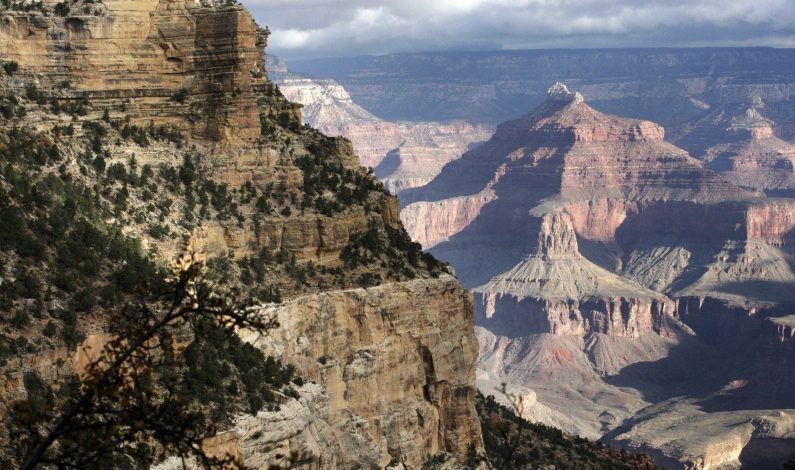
<point x="743" y="145"/>
<point x="392" y="366"/>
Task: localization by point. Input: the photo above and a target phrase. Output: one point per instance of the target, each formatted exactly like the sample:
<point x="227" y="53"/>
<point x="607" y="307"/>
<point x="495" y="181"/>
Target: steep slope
<point x="604" y="261"/>
<point x="326" y="104"/>
<point x="162" y="115"/>
<point x="537" y="444"/>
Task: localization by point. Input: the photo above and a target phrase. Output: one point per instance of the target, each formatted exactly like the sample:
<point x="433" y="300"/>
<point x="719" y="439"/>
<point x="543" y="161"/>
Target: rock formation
<point x="415" y="362"/>
<point x="392" y="365"/>
<point x="742" y="145"/>
<point x="604" y="260"/>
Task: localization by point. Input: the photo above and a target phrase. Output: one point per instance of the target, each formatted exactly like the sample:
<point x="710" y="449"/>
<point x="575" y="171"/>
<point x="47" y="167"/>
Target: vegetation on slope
<point x="512" y="442"/>
<point x="90" y="198"/>
<point x="67" y="271"/>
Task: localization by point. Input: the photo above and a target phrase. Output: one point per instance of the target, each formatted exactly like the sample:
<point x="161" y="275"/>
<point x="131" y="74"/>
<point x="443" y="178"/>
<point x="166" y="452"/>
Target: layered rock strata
<point x="750" y="154"/>
<point x="604" y="260"/>
<point x="674" y="87"/>
<point x="393" y="365"/>
<point x="410" y="344"/>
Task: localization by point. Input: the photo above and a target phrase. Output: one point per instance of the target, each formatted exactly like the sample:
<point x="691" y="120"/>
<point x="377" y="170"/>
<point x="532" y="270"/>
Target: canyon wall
<point x="410" y="345"/>
<point x="674" y="87"/>
<point x="392" y="365"/>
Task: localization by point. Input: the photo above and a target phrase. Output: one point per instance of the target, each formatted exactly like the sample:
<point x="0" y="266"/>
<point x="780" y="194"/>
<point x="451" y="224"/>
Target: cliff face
<point x="409" y="345"/>
<point x="150" y="50"/>
<point x="603" y="259"/>
<point x="393" y="364"/>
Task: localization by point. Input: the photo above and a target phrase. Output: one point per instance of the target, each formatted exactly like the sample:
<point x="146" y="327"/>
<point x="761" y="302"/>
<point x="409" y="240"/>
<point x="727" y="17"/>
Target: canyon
<point x="403" y="154"/>
<point x="630" y="291"/>
<point x="602" y="257"/>
<point x="628" y="278"/>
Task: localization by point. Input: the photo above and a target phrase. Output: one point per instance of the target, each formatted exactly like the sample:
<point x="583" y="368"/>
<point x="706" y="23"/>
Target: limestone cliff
<point x="408" y="345"/>
<point x="176" y="91"/>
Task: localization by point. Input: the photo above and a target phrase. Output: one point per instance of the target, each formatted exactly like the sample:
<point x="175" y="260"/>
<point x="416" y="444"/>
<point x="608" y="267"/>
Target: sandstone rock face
<point x="423" y="151"/>
<point x="604" y="261"/>
<point x="264" y="439"/>
<point x="150" y="50"/>
<point x="308" y="238"/>
<point x="404" y="155"/>
<point x="410" y="344"/>
<point x="558" y="291"/>
<point x="392" y="366"/>
<point x="432" y="223"/>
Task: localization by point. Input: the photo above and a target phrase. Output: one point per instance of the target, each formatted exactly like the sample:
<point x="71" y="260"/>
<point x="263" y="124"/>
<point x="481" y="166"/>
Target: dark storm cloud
<point x="349" y="27"/>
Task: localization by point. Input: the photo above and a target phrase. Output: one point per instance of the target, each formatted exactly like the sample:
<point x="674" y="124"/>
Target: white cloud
<point x="348" y="27"/>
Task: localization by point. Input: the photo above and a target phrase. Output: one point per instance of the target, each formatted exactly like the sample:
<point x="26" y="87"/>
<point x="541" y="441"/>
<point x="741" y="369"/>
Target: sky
<point x="329" y="28"/>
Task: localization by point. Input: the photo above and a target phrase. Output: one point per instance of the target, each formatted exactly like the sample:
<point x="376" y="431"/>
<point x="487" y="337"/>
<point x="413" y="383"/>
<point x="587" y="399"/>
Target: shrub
<point x="99" y="164"/>
<point x="180" y="96"/>
<point x="10" y="68"/>
<point x="159" y="231"/>
<point x="62" y="9"/>
<point x="20" y="319"/>
<point x="117" y="171"/>
<point x="49" y="329"/>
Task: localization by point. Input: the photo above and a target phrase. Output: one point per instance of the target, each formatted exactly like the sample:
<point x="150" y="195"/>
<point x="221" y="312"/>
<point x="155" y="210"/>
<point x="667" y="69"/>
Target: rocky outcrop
<point x="678" y="435"/>
<point x="558" y="291"/>
<point x="327" y="106"/>
<point x="410" y="344"/>
<point x="425" y="148"/>
<point x="148" y="52"/>
<point x="393" y="365"/>
<point x="430" y="223"/>
<point x="269" y="437"/>
<point x="746" y="151"/>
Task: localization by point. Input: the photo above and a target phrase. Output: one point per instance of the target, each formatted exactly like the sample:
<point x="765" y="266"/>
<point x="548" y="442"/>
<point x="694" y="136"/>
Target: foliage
<point x="143" y="135"/>
<point x="390" y="247"/>
<point x="10" y="68"/>
<point x="61" y="9"/>
<point x="329" y="187"/>
<point x="180" y="96"/>
<point x="138" y="400"/>
<point x="511" y="442"/>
